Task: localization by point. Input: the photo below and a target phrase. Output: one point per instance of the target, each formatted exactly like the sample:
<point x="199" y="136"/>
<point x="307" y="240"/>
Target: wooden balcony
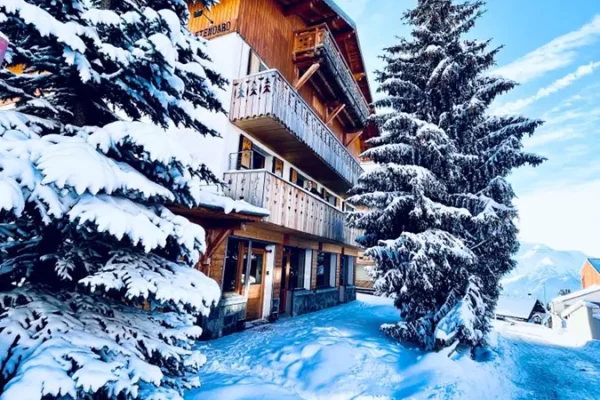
<point x="266" y="106"/>
<point x="333" y="79"/>
<point x="290" y="206"/>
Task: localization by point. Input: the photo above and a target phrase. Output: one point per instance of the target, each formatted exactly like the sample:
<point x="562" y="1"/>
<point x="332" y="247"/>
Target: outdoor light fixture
<point x="200" y="13"/>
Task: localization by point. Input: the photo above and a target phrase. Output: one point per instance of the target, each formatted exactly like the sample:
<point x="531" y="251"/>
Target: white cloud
<point x="564" y="217"/>
<point x="542" y="137"/>
<point x="555" y="54"/>
<point x="567" y="80"/>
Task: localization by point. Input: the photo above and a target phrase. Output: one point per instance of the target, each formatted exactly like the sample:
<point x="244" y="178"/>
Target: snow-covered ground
<point x="340" y="353"/>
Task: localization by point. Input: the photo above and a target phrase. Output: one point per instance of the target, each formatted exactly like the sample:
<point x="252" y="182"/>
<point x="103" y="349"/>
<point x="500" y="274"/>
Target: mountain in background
<point x="539" y="266"/>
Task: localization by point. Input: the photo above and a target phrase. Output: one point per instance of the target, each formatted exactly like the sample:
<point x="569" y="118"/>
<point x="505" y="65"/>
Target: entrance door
<point x="256" y="283"/>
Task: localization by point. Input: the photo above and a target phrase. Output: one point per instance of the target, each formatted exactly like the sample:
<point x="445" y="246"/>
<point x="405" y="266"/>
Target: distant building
<point x="590" y="273"/>
<point x="578" y="313"/>
<point x="364" y="282"/>
<point x="525" y="309"/>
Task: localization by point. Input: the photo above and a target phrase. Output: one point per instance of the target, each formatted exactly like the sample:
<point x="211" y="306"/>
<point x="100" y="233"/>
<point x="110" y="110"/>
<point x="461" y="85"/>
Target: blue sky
<point x="552" y="48"/>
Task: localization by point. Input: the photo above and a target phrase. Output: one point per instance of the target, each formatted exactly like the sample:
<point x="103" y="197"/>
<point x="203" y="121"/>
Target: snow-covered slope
<point x="540" y="265"/>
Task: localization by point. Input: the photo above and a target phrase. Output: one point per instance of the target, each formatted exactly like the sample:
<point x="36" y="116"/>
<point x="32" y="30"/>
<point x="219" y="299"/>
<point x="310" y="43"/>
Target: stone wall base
<point x="228" y="317"/>
<point x="305" y="301"/>
<point x="349" y="294"/>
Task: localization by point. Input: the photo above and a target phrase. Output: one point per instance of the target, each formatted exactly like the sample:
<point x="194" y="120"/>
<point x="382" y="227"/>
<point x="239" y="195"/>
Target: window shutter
<point x="246" y="152"/>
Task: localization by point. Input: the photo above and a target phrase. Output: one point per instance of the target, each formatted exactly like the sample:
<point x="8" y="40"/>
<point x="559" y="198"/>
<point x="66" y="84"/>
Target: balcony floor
<point x="279" y="139"/>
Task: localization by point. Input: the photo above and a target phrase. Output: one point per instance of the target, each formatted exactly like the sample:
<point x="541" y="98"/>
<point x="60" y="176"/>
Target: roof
<point x="581" y="303"/>
<point x="517" y="307"/>
<point x="595" y="262"/>
<point x="574" y="295"/>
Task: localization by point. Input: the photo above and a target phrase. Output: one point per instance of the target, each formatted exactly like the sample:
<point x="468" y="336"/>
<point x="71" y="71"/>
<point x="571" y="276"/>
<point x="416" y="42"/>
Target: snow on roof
<point x="519" y="307"/>
<point x="581" y="303"/>
<point x="574" y="295"/>
<point x="228" y="205"/>
<point x="338" y="10"/>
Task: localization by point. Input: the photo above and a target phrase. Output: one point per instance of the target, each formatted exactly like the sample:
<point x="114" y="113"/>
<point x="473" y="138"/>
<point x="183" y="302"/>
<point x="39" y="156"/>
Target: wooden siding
<point x="226" y="11"/>
<point x="295" y="241"/>
<point x="277" y="272"/>
<point x="338" y="269"/>
<point x="217" y="263"/>
<point x="331" y="248"/>
<point x="257" y="233"/>
<point x="266" y="106"/>
<point x="290" y="206"/>
<point x="589" y="276"/>
<point x="313" y="272"/>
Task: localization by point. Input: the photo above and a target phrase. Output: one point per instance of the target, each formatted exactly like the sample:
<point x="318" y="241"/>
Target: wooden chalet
<point x="298" y="108"/>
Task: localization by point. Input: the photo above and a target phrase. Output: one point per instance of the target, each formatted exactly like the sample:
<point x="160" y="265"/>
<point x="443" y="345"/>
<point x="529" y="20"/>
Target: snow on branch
<point x="146" y="277"/>
<point x="148" y="226"/>
<point x="70" y="344"/>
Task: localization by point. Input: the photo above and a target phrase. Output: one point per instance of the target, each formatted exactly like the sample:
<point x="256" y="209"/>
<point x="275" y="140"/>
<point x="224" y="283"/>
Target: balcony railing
<point x="266" y="106"/>
<point x="290" y="206"/>
<point x="316" y="44"/>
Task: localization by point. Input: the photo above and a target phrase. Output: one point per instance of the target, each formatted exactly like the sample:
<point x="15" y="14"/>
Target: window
<point x="255" y="64"/>
<point x="328" y="197"/>
<point x="347" y="271"/>
<point x="348" y="207"/>
<point x="297" y="179"/>
<point x="326" y="264"/>
<point x="257" y="263"/>
<point x="230" y="273"/>
<point x="236" y="259"/>
<point x="250" y="155"/>
<point x="258" y="160"/>
<point x="278" y="167"/>
<point x="297" y="264"/>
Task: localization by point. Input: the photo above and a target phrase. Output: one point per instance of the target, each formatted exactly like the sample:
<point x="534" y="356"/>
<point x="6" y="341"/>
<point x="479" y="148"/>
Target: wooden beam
<point x="297" y="8"/>
<point x="211" y="247"/>
<point x="218" y="240"/>
<point x="304" y="78"/>
<point x="335" y="112"/>
<point x="358" y="134"/>
<point x="343" y="36"/>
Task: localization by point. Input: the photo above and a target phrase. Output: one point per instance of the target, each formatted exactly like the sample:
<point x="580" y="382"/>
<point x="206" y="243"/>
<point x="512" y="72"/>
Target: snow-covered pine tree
<point x="440" y="219"/>
<point x="98" y="294"/>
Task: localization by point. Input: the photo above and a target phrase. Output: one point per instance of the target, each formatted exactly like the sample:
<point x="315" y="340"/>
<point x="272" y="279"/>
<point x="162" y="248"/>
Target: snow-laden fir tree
<point x="98" y="294"/>
<point x="439" y="219"/>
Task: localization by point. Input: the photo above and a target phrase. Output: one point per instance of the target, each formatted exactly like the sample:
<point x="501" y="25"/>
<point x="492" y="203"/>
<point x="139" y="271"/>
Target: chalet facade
<point x="298" y="104"/>
<point x="590" y="273"/>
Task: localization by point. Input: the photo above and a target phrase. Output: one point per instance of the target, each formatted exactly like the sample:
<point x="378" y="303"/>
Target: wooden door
<point x="256" y="286"/>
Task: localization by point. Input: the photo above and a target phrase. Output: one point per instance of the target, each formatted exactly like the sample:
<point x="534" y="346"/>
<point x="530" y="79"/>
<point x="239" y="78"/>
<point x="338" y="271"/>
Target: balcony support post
<point x="215" y="239"/>
<point x="357" y="135"/>
<point x="304" y="78"/>
<point x="335" y="113"/>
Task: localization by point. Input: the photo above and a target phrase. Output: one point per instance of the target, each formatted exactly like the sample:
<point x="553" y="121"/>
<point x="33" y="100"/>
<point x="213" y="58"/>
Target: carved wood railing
<point x="290" y="206"/>
<point x="317" y="41"/>
<point x="268" y="95"/>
